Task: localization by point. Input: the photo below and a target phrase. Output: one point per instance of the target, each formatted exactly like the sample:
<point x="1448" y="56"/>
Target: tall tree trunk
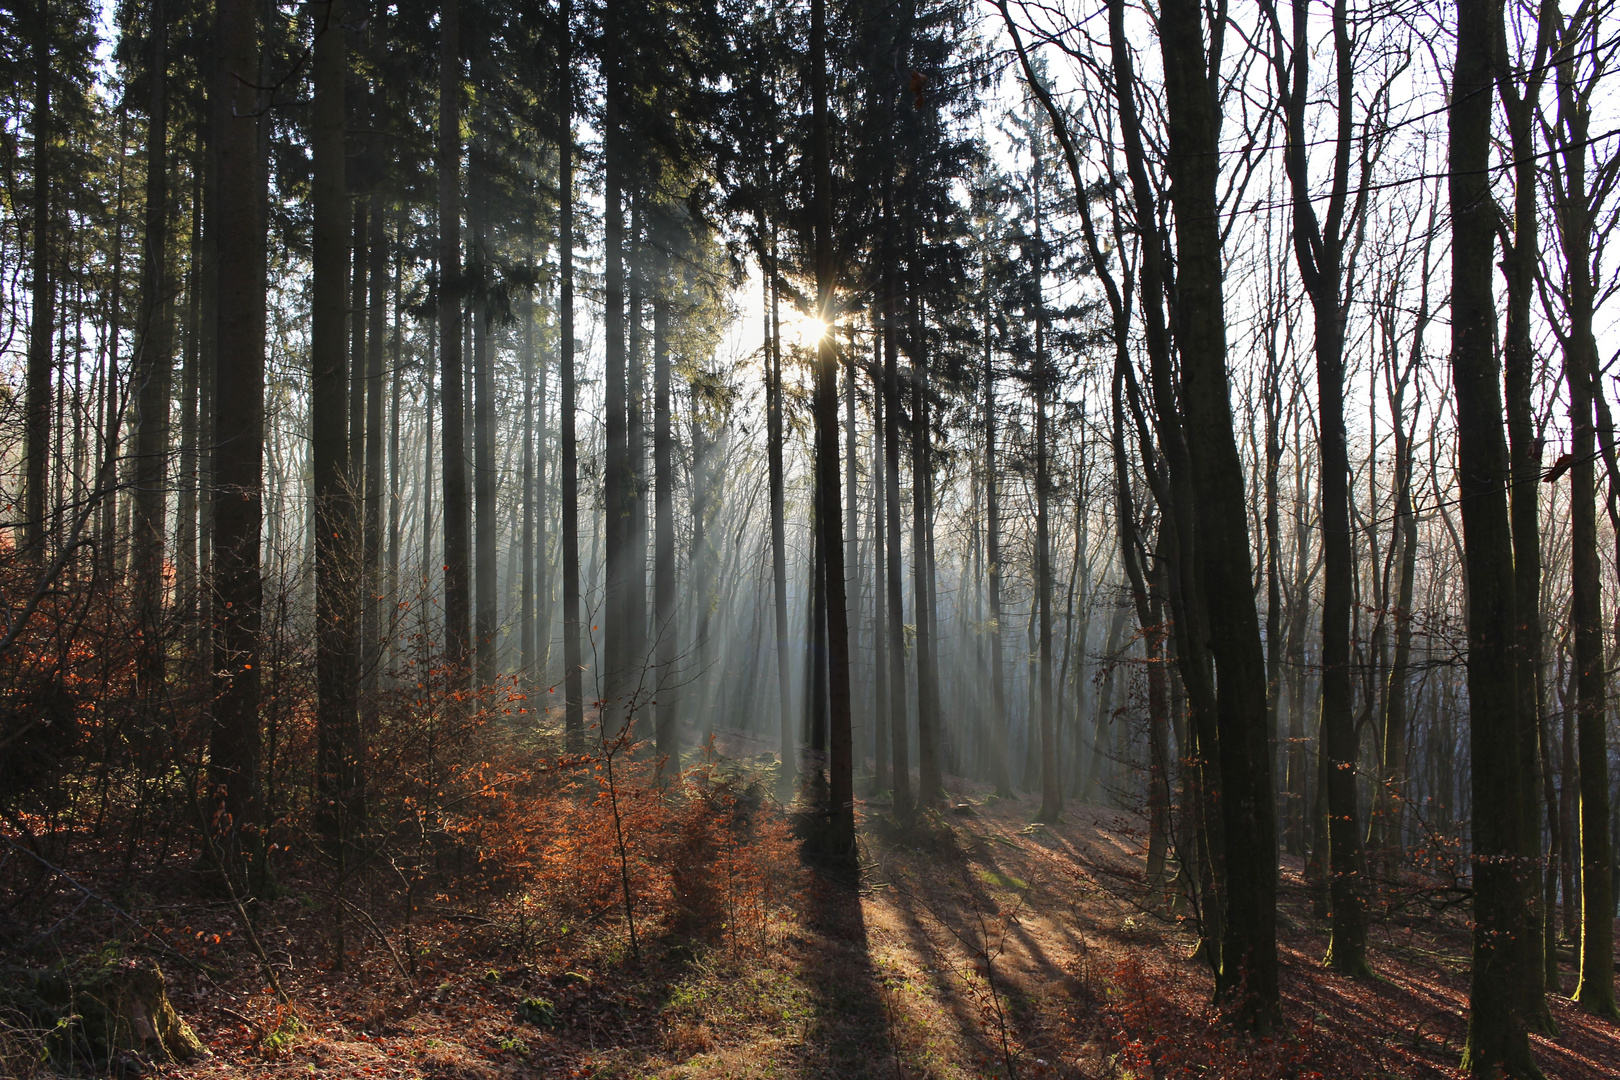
<point x="788" y="748"/>
<point x="929" y="786"/>
<point x="544" y="463"/>
<point x="112" y="393"/>
<point x="899" y="709"/>
<point x="1051" y="791"/>
<point x="815" y="659"/>
<point x="1395" y="718"/>
<point x="1574" y="201"/>
<point x="234" y="740"/>
<point x="635" y="379"/>
<point x="337" y="585"/>
<point x="153" y="370"/>
<point x="390" y="593"/>
<point x="1272" y="395"/>
<point x="185" y="525"/>
<point x="1569" y="813"/>
<point x="371" y="628"/>
<point x="882" y="660"/>
<point x="666" y="621"/>
<point x="1319" y="250"/>
<point x="840" y="836"/>
<point x="1497" y="1041"/>
<point x="526" y="629"/>
<point x="999" y="734"/>
<point x="357" y="337"/>
<point x="1298" y="764"/>
<point x="852" y="547"/>
<point x="42" y="320"/>
<point x="1520" y="257"/>
<point x="1247" y="979"/>
<point x="485" y="512"/>
<point x="568" y="437"/>
<point x="617" y="480"/>
<point x="452" y="289"/>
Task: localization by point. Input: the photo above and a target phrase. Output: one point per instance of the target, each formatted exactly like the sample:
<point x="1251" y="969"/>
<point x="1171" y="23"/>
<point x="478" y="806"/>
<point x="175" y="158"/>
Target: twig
<point x="399" y="966"/>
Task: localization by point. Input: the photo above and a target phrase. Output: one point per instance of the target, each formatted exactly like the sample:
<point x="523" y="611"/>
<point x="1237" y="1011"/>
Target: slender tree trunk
<point x="1395" y="703"/>
<point x="1569" y="816"/>
<point x="617" y="480"/>
<point x="666" y="620"/>
<point x="1273" y="524"/>
<point x="452" y="289"/>
<point x="840" y="837"/>
<point x="852" y="547"/>
<point x="185" y="525"/>
<point x="390" y="592"/>
<point x="882" y="660"/>
<point x="42" y="322"/>
<point x="635" y="532"/>
<point x="153" y="370"/>
<point x="485" y="512"/>
<point x="899" y="709"/>
<point x="929" y="786"/>
<point x="234" y="740"/>
<point x="1051" y="791"/>
<point x="1520" y="257"/>
<point x="113" y="403"/>
<point x="774" y="435"/>
<point x="1595" y="990"/>
<point x="526" y="629"/>
<point x="357" y="340"/>
<point x="1319" y="249"/>
<point x="567" y="406"/>
<point x="999" y="735"/>
<point x="371" y="626"/>
<point x="338" y="810"/>
<point x="815" y="668"/>
<point x="544" y="462"/>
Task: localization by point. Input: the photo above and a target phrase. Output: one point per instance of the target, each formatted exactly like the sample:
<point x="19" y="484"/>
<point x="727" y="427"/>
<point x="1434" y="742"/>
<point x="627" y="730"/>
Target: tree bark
<point x="234" y="740"/>
<point x="929" y="788"/>
<point x="840" y="837"/>
<point x="1051" y="791"/>
<point x="773" y="421"/>
<point x="1319" y="249"/>
<point x="42" y="322"/>
<point x="1497" y="1043"/>
<point x="1247" y="979"/>
<point x="617" y="480"/>
<point x="371" y="583"/>
<point x="485" y="513"/>
<point x="1574" y="204"/>
<point x="568" y="437"/>
<point x="999" y="735"/>
<point x="337" y="585"/>
<point x="1521" y="253"/>
<point x="152" y="372"/>
<point x="526" y="556"/>
<point x="452" y="288"/>
<point x="666" y="620"/>
<point x="882" y="660"/>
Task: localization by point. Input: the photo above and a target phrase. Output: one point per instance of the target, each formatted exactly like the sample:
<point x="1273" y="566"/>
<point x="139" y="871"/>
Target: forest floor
<point x="976" y="944"/>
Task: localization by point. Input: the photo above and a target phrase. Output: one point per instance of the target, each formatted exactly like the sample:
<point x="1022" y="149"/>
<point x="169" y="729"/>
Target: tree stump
<point x="120" y="1010"/>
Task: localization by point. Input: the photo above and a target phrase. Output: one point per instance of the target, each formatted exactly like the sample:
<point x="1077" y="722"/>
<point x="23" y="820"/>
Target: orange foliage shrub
<point x="1153" y="1034"/>
<point x="703" y="854"/>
